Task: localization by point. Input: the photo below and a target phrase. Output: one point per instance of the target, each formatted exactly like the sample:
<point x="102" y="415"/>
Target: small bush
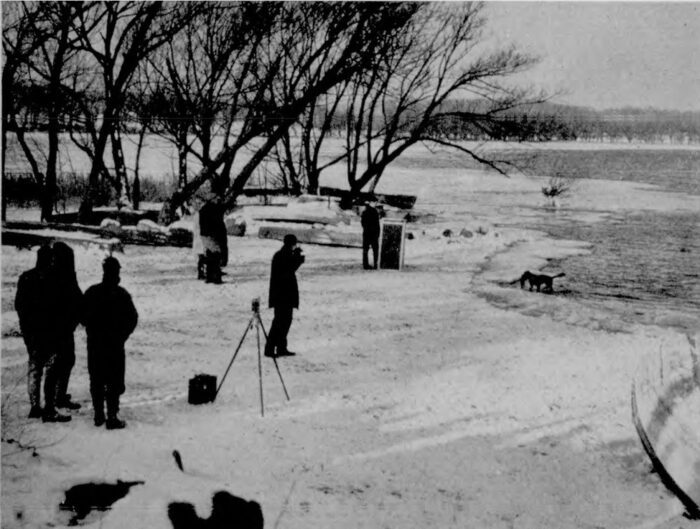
<point x="155" y="190"/>
<point x="558" y="185"/>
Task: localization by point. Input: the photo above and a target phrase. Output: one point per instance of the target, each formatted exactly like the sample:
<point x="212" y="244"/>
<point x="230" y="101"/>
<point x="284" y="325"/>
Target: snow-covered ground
<point x="415" y="402"/>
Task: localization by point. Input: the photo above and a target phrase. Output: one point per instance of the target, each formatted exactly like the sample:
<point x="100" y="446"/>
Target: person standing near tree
<point x="34" y="303"/>
<point x="212" y="229"/>
<point x="109" y="317"/>
<point x="67" y="298"/>
<point x="370" y="235"/>
<point x="197" y="244"/>
<point x="284" y="295"/>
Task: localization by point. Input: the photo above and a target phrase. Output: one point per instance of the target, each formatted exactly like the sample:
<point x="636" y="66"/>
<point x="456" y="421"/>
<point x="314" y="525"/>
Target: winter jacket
<point x="33" y="303"/>
<point x="284" y="291"/>
<point x="109" y="316"/>
<point x="211" y="221"/>
<point x="370" y="222"/>
<point x="67" y="306"/>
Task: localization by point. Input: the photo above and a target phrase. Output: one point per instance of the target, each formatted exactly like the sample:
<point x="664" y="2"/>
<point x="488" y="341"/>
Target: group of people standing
<point x="50" y="306"/>
<point x="210" y="246"/>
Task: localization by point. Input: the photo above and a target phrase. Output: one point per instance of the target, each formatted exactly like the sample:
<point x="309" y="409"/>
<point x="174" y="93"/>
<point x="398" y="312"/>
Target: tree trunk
<point x="3" y="195"/>
<point x="85" y="210"/>
<point x="374" y="183"/>
<point x="312" y="181"/>
<point x="122" y="180"/>
<point x="136" y="188"/>
<point x="50" y="187"/>
<point x="182" y="159"/>
<point x="38" y="175"/>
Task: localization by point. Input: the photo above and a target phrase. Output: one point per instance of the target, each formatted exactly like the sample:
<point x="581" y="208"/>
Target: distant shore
<point x="159" y="155"/>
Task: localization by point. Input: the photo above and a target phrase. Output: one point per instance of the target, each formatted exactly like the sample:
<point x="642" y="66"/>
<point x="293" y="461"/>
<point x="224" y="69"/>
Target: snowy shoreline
<point x="416" y="400"/>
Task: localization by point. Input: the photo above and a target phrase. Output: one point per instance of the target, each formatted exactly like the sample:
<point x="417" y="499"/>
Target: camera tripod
<point x="255" y="321"/>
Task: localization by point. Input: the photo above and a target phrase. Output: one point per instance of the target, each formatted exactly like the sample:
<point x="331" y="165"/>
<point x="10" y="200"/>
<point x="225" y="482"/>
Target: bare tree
<point x="299" y="157"/>
<point x="55" y="63"/>
<point x="402" y="98"/>
<point x="203" y="75"/>
<point x="142" y="109"/>
<point x="309" y="49"/>
<point x="126" y="33"/>
<point x="21" y="38"/>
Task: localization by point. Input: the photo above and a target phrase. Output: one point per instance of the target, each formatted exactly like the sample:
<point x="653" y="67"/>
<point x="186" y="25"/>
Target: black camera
<point x="299" y="254"/>
<point x="255" y="305"/>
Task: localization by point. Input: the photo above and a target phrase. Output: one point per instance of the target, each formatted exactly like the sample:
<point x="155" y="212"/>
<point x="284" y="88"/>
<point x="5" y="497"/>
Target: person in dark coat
<point x="34" y="303"/>
<point x="284" y="295"/>
<point x="68" y="298"/>
<point x="212" y="229"/>
<point x="370" y="235"/>
<point x="109" y="317"/>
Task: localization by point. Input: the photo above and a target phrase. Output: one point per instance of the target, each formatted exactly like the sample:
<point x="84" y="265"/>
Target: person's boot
<point x="66" y="402"/>
<point x="99" y="419"/>
<point x="51" y="415"/>
<point x="98" y="406"/>
<point x="35" y="412"/>
<point x="115" y="423"/>
<point x="213" y="274"/>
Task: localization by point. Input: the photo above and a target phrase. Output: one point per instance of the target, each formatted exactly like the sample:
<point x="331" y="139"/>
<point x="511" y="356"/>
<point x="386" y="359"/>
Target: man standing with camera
<point x="284" y="295"/>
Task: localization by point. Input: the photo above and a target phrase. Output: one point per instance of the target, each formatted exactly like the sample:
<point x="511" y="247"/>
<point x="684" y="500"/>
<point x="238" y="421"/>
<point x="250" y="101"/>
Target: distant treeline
<point x="536" y="123"/>
<point x="555" y="122"/>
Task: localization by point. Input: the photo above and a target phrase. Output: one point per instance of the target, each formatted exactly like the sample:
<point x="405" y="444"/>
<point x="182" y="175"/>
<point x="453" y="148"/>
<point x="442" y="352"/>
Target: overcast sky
<point x="608" y="54"/>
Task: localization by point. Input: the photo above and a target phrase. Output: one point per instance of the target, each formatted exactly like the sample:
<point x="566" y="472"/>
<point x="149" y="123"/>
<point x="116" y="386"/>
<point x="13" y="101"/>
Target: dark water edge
<point x="644" y="266"/>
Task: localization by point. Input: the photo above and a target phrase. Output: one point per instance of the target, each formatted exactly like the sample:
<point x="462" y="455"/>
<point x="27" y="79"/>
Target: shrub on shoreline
<point x="22" y="190"/>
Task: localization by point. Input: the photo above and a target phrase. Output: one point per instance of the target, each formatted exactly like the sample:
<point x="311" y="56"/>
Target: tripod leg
<point x="281" y="379"/>
<point x="274" y="359"/>
<point x="262" y="406"/>
<point x="262" y="325"/>
<point x="250" y="323"/>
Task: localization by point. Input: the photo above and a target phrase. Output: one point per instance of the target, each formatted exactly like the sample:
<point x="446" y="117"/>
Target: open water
<point x="645" y="265"/>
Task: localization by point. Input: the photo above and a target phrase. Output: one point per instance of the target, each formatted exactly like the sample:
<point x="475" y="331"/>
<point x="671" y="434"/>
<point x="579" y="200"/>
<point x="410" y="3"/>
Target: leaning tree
<point x="308" y="49"/>
<point x="404" y="95"/>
